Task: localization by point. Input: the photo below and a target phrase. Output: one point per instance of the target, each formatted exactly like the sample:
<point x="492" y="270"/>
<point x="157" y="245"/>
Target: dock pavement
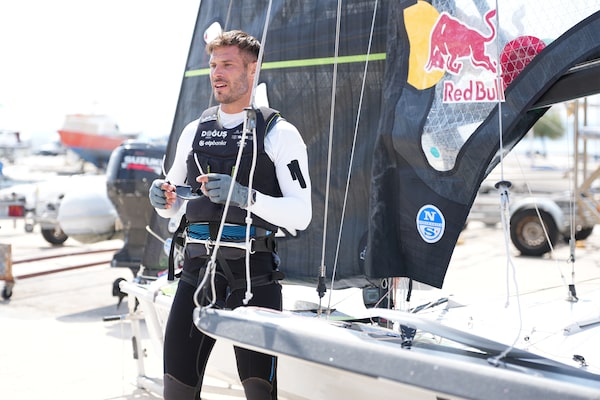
<point x="55" y="343"/>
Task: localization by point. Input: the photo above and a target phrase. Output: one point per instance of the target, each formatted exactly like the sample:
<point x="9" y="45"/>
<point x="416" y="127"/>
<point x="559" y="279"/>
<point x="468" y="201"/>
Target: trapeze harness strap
<point x="199" y="243"/>
<point x="193" y="234"/>
<point x="177" y="239"/>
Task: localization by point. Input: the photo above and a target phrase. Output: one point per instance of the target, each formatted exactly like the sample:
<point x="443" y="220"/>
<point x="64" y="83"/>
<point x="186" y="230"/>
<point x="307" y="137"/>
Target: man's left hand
<point x="216" y="187"/>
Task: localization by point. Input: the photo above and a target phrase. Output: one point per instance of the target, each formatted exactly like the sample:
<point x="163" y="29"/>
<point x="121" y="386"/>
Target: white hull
<point x="424" y="371"/>
<point x="298" y="379"/>
<point x="320" y="359"/>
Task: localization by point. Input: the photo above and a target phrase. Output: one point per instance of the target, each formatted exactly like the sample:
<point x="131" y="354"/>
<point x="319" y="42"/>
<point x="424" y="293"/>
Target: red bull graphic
<point x="473" y="90"/>
<point x="452" y="41"/>
<point x="466" y="53"/>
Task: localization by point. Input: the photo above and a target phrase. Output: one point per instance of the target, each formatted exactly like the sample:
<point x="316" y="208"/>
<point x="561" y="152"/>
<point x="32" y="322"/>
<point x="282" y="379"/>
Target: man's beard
<point x="239" y="89"/>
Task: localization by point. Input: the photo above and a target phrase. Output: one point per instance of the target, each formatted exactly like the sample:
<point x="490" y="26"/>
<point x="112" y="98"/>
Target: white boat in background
<point x="12" y="144"/>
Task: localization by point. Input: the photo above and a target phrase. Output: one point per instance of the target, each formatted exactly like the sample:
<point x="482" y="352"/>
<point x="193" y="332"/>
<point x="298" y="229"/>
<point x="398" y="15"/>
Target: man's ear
<point x="252" y="67"/>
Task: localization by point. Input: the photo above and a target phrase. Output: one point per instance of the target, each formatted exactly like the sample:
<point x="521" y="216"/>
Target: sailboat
<point x="416" y="102"/>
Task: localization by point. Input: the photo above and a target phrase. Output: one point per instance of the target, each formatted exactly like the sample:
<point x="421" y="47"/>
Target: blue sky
<point x="124" y="58"/>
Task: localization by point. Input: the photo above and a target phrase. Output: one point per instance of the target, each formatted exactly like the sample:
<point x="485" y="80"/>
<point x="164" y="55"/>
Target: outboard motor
<point x="131" y="169"/>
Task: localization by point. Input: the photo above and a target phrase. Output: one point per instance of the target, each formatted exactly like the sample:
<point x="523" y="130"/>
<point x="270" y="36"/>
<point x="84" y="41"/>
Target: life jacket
<point x="215" y="149"/>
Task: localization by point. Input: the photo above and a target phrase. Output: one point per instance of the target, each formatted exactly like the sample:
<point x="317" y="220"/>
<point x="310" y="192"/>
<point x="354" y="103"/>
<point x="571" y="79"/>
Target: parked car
<point x="540" y="220"/>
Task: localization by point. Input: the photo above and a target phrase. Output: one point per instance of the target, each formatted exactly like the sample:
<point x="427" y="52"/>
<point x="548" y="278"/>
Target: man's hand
<point x="216" y="187"/>
<point x="162" y="194"/>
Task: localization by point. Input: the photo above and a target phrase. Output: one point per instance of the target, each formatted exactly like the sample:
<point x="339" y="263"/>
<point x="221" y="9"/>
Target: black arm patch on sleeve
<point x="294" y="168"/>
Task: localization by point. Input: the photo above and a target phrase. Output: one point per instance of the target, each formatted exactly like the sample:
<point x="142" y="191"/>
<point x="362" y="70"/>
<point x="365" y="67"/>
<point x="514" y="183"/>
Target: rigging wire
<point x="574" y="191"/>
<point x="322" y="270"/>
<point x="539" y="216"/>
<point x="249" y="123"/>
<point x="228" y="18"/>
<point x="261" y="53"/>
<point x="506" y="227"/>
<point x="226" y="28"/>
<point x="352" y="152"/>
<point x="572" y="166"/>
<point x="503" y="187"/>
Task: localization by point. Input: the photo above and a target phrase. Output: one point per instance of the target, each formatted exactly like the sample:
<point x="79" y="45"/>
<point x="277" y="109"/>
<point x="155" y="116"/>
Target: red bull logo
<point x="452" y="43"/>
<point x="442" y="45"/>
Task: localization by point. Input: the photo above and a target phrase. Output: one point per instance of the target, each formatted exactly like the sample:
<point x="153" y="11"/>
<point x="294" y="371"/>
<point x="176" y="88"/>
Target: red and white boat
<point x="92" y="137"/>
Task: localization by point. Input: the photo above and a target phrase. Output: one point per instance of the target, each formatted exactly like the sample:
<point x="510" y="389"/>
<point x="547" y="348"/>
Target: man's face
<point x="231" y="78"/>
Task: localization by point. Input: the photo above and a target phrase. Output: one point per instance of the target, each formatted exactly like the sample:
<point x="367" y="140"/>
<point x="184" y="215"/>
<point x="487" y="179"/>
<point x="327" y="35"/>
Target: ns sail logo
<point x="430" y="223"/>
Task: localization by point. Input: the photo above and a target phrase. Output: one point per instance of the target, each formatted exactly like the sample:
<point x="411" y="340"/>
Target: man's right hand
<point x="162" y="194"/>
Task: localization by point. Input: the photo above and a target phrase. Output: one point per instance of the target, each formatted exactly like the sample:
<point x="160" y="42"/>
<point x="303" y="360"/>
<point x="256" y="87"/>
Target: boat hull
<point x="92" y="137"/>
<point x="338" y="351"/>
<point x="93" y="148"/>
<point x="324" y="359"/>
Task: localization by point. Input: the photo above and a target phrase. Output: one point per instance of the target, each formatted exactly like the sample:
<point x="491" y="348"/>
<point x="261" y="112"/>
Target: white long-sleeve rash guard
<point x="283" y="144"/>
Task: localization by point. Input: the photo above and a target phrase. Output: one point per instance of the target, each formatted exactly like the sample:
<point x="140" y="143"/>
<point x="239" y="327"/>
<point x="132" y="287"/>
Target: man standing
<point x="280" y="197"/>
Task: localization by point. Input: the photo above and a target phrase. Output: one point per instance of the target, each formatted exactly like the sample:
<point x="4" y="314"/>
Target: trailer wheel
<point x="7" y="290"/>
<point x="527" y="233"/>
<point x="581" y="234"/>
<point x="54" y="236"/>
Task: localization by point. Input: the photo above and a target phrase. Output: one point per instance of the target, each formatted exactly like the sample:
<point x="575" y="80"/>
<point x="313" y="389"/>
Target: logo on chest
<point x="215" y="133"/>
<point x="217" y="137"/>
<point x="214" y="137"/>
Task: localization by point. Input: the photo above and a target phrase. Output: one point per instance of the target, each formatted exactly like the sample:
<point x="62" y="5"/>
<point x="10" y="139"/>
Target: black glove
<point x="158" y="199"/>
<point x="217" y="188"/>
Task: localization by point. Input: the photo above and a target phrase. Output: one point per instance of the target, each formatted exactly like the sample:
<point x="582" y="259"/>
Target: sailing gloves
<point x="217" y="188"/>
<point x="157" y="195"/>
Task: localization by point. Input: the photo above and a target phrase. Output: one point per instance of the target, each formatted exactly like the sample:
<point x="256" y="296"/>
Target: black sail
<point x="398" y="174"/>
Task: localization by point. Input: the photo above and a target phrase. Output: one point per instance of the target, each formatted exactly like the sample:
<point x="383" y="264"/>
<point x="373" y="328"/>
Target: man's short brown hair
<point x="242" y="40"/>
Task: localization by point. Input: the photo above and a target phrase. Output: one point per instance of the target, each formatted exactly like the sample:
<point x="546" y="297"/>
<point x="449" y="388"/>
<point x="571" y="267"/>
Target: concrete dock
<point x="55" y="343"/>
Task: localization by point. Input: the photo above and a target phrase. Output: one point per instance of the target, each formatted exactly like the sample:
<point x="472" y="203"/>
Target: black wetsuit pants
<point x="186" y="349"/>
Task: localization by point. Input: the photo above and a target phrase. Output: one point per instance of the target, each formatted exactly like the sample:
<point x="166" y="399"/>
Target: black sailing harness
<point x="197" y="240"/>
<point x="230" y="250"/>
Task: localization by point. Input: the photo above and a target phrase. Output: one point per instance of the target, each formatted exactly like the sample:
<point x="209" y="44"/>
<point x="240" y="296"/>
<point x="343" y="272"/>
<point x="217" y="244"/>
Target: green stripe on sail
<point x="309" y="62"/>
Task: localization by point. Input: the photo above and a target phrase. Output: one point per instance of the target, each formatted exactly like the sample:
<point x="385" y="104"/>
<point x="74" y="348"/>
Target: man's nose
<point x="216" y="71"/>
